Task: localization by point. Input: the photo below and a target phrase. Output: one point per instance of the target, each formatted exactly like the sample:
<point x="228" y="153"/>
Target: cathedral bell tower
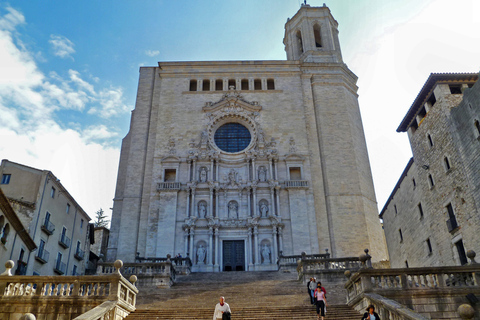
<point x="311" y="35"/>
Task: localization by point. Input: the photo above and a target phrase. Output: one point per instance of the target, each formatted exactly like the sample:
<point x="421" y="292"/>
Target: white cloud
<point x="152" y="53"/>
<point x="62" y="46"/>
<point x="111" y="103"/>
<point x="32" y="132"/>
<point x="100" y="132"/>
<point x="11" y="19"/>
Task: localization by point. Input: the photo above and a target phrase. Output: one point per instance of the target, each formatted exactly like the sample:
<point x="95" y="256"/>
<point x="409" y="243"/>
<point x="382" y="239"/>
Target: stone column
<point x="216" y="203"/>
<point x="254" y="201"/>
<point x="275" y="169"/>
<point x="274" y="245"/>
<point x="210" y="246"/>
<point x="255" y="234"/>
<point x="211" y="201"/>
<point x="192" y="247"/>
<point x="210" y="178"/>
<point x="192" y="212"/>
<point x="194" y="176"/>
<point x="249" y="203"/>
<point x="226" y="204"/>
<point x="189" y="213"/>
<point x="277" y="192"/>
<point x="216" y="171"/>
<point x="189" y="170"/>
<point x="185" y="237"/>
<point x="272" y="199"/>
<point x="280" y="239"/>
<point x="254" y="170"/>
<point x="270" y="168"/>
<point x="249" y="248"/>
<point x="216" y="246"/>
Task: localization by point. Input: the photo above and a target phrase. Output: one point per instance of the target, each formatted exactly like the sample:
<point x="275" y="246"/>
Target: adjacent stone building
<point x="15" y="242"/>
<point x="234" y="162"/>
<point x="432" y="216"/>
<point x="54" y="220"/>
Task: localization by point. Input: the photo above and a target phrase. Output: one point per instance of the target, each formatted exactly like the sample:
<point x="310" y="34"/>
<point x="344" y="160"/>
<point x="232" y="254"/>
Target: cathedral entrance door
<point x="234" y="255"/>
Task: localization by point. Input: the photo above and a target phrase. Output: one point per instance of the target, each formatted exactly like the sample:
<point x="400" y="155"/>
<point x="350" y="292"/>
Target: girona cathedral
<point x="234" y="163"/>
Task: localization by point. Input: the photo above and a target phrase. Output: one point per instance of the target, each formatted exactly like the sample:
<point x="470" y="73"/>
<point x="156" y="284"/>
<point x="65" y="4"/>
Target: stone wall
<point x="446" y="133"/>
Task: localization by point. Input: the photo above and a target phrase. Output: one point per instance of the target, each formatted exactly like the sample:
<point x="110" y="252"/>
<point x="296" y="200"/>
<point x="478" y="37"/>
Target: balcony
<point x="296" y="184"/>
<point x="452" y="224"/>
<point x="60" y="267"/>
<point x="42" y="256"/>
<point x="168" y="186"/>
<point x="48" y="227"/>
<point x="79" y="254"/>
<point x="21" y="268"/>
<point x="64" y="241"/>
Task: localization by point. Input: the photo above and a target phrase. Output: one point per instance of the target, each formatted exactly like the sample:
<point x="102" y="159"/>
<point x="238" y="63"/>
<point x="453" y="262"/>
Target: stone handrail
<point x="377" y="280"/>
<point x="389" y="309"/>
<point x="88" y="292"/>
<point x="348" y="263"/>
<point x="294" y="258"/>
<point x="163" y="272"/>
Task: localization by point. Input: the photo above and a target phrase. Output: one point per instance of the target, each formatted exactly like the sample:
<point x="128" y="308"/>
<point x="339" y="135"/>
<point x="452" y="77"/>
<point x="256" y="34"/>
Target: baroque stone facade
<point x="234" y="162"/>
<point x="432" y="216"/>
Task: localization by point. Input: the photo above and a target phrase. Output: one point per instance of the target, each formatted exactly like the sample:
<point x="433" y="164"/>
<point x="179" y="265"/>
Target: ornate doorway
<point x="234" y="255"/>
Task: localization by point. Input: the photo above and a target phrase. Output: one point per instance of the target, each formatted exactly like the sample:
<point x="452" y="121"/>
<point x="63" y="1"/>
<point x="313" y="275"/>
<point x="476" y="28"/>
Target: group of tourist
<point x="318" y="296"/>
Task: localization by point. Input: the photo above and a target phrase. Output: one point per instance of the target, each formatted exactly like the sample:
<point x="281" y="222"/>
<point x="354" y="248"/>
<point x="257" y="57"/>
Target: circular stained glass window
<point x="232" y="137"/>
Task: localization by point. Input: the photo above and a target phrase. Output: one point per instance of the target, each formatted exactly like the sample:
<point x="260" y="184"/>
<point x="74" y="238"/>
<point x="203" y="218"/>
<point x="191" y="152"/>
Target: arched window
<point x="430" y="141"/>
<point x="317" y="35"/>
<point x="206" y="85"/>
<point x="477" y="126"/>
<point x="193" y="85"/>
<point x="244" y="84"/>
<point x="299" y="42"/>
<point x="5" y="232"/>
<point x="447" y="163"/>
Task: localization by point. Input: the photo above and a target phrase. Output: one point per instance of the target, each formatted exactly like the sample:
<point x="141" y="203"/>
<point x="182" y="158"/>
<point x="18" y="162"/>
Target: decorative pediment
<point x="232" y="101"/>
<point x="171" y="159"/>
<point x="294" y="157"/>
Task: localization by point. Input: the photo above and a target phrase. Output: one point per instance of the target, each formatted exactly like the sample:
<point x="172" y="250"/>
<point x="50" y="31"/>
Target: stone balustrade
<point x="168" y="186"/>
<point x="159" y="274"/>
<point x="67" y="296"/>
<point x="296" y="184"/>
<point x="327" y="269"/>
<point x="431" y="291"/>
<point x="291" y="262"/>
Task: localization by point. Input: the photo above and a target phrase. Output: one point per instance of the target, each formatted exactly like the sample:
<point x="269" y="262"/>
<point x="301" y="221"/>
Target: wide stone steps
<point x="249" y="313"/>
<point x="251" y="295"/>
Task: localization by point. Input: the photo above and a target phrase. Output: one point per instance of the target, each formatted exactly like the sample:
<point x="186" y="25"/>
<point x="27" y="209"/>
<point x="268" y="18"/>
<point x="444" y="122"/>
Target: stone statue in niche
<point x="201" y="254"/>
<point x="203" y="174"/>
<point x="263" y="209"/>
<point x="202" y="210"/>
<point x="232" y="210"/>
<point x="262" y="174"/>
<point x="204" y="137"/>
<point x="266" y="253"/>
<point x="231" y="177"/>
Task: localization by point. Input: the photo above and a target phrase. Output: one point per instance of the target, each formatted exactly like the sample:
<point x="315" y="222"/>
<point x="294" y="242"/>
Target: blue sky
<point x="69" y="70"/>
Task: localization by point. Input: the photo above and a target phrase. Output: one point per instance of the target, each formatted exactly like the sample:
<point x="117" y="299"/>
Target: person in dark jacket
<point x="370" y="314"/>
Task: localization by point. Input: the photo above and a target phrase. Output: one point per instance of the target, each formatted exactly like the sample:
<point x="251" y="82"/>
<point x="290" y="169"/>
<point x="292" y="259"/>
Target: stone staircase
<point x="251" y="295"/>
